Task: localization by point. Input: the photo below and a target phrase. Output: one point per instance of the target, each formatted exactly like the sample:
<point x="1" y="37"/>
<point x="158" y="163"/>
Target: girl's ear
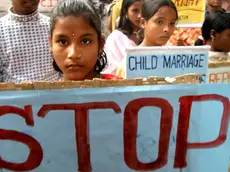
<point x="50" y="44"/>
<point x="143" y="23"/>
<point x="213" y="34"/>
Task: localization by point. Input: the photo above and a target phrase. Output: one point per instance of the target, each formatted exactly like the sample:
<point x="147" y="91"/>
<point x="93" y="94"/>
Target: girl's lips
<point x="30" y="2"/>
<point x="164" y="37"/>
<point x="74" y="66"/>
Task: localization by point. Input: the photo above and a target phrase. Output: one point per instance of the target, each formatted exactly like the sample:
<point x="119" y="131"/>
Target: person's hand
<point x="180" y="42"/>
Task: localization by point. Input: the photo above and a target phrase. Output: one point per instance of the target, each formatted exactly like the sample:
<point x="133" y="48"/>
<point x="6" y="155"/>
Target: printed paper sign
<point x="191" y="12"/>
<point x="176" y="128"/>
<point x="219" y="75"/>
<point x="166" y="61"/>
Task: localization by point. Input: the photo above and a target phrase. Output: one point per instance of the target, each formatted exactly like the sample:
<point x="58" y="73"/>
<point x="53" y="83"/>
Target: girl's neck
<point x="213" y="49"/>
<point x="135" y="28"/>
<point x="145" y="43"/>
<point x="135" y="39"/>
<point x="136" y="36"/>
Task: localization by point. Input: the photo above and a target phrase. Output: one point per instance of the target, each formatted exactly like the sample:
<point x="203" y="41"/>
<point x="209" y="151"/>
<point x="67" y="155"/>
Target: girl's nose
<point x="74" y="52"/>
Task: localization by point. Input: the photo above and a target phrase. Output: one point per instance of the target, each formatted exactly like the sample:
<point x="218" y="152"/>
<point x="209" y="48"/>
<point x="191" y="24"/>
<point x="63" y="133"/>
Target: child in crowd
<point x="126" y="35"/>
<point x="158" y="21"/>
<point x="216" y="33"/>
<point x="24" y="47"/>
<point x="159" y="18"/>
<point x="76" y="42"/>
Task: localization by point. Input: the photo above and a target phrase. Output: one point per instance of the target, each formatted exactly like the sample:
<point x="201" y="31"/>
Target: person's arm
<point x="2" y="66"/>
<point x="110" y="23"/>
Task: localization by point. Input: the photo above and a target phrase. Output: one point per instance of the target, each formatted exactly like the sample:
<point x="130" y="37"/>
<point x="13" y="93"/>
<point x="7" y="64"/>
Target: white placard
<point x="220" y="75"/>
<point x="166" y="61"/>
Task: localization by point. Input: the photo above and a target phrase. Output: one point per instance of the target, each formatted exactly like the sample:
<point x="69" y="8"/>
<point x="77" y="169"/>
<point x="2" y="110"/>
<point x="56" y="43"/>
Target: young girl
<point x="126" y="35"/>
<point x="76" y="42"/>
<point x="216" y="33"/>
<point x="158" y="21"/>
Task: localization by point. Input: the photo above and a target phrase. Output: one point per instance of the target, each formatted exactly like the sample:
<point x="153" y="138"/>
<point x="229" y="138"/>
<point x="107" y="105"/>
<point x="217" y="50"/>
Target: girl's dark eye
<point x="135" y="10"/>
<point x="62" y="42"/>
<point x="159" y="21"/>
<point x="86" y="41"/>
<point x="173" y="24"/>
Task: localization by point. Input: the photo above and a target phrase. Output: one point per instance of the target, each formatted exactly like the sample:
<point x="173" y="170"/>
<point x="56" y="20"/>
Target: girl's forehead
<point x="68" y="20"/>
<point x="73" y="24"/>
<point x="227" y="31"/>
<point x="165" y="11"/>
<point x="138" y="3"/>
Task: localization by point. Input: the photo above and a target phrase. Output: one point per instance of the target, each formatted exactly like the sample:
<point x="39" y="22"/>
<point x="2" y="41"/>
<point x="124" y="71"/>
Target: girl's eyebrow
<point x="59" y="35"/>
<point x="159" y="17"/>
<point x="86" y="34"/>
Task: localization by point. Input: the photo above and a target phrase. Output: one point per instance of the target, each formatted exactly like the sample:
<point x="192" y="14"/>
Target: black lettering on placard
<point x="142" y="62"/>
<point x="186" y="3"/>
<point x="182" y="17"/>
<point x="183" y="61"/>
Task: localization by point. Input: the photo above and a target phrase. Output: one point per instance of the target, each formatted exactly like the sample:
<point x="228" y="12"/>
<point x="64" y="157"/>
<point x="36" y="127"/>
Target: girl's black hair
<point x="217" y="21"/>
<point x="125" y="24"/>
<point x="150" y="7"/>
<point x="199" y="42"/>
<point x="89" y="9"/>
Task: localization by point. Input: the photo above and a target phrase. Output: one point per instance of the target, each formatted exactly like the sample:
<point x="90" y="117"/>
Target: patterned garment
<point x="24" y="48"/>
<point x="188" y="35"/>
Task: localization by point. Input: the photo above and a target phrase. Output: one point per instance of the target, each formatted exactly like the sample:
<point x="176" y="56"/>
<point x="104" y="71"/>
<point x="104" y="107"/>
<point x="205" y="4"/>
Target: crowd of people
<point x="70" y="45"/>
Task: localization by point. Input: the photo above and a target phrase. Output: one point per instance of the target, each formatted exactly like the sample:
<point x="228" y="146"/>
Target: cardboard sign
<point x="166" y="61"/>
<point x="219" y="73"/>
<point x="143" y="128"/>
<point x="191" y="12"/>
<point x="44" y="6"/>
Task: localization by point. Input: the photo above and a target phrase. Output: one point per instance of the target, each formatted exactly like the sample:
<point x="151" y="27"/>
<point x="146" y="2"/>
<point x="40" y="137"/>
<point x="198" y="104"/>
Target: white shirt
<point x="115" y="49"/>
<point x="24" y="48"/>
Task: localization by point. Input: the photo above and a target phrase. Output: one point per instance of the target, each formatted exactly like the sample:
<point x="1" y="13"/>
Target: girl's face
<point x="75" y="47"/>
<point x="160" y="26"/>
<point x="221" y="41"/>
<point x="134" y="14"/>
